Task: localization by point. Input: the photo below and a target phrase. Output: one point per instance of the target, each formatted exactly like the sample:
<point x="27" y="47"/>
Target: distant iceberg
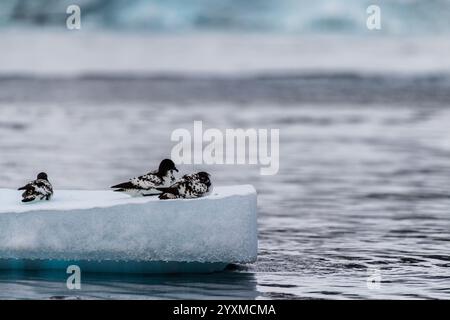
<point x="106" y="231"/>
<point x="267" y="16"/>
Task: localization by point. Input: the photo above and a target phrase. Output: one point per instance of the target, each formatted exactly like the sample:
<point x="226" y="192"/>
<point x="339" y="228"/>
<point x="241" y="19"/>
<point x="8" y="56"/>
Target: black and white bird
<point x="146" y="185"/>
<point x="39" y="189"/>
<point x="189" y="186"/>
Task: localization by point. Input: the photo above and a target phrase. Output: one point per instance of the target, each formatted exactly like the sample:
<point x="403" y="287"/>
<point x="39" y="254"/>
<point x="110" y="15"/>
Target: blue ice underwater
<point x="103" y="231"/>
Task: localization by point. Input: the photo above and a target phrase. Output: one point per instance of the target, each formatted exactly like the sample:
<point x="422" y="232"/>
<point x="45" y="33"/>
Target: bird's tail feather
<point x="125" y="185"/>
<point x="168" y="190"/>
<point x="167" y="196"/>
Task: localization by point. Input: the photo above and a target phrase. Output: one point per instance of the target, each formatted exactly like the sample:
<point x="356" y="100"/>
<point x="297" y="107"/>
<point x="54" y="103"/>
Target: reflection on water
<point x="363" y="180"/>
<point x="52" y="285"/>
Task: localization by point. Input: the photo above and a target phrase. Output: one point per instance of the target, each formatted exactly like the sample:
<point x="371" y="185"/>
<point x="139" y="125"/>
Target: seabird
<point x="189" y="186"/>
<point x="146" y="185"/>
<point x="39" y="189"/>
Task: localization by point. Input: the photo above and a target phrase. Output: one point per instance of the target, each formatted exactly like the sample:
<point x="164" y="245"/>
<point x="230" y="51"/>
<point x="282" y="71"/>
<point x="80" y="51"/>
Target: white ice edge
<point x="103" y="225"/>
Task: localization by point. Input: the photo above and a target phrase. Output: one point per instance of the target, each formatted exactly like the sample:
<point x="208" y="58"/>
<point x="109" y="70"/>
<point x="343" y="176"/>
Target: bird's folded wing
<point x="147" y="181"/>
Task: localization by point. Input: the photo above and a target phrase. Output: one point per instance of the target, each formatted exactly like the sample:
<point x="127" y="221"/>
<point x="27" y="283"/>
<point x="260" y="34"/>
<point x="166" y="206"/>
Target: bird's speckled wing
<point x="43" y="187"/>
<point x="147" y="181"/>
<point x="38" y="190"/>
<point x="187" y="187"/>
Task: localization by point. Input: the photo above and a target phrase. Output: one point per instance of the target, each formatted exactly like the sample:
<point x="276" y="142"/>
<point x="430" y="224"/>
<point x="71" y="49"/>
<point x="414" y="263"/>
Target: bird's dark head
<point x="166" y="165"/>
<point x="204" y="177"/>
<point x="42" y="176"/>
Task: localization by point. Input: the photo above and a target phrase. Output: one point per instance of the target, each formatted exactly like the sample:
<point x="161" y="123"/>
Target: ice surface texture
<point x="103" y="225"/>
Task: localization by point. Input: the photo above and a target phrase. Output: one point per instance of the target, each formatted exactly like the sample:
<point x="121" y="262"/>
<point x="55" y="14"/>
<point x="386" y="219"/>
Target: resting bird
<point x="39" y="189"/>
<point x="147" y="184"/>
<point x="189" y="186"/>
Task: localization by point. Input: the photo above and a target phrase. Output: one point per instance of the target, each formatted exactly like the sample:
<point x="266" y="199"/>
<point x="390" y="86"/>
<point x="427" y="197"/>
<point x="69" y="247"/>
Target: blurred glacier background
<point x="266" y="16"/>
<point x="363" y="115"/>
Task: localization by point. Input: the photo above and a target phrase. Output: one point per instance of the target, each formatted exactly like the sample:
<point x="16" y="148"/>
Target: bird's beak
<point x="175" y="169"/>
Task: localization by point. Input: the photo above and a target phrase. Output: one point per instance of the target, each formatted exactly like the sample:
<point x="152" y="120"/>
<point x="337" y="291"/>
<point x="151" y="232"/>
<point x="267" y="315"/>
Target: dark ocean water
<point x="362" y="191"/>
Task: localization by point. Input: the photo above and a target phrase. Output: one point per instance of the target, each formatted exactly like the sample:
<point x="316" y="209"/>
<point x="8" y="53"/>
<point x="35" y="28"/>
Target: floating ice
<point x="107" y="226"/>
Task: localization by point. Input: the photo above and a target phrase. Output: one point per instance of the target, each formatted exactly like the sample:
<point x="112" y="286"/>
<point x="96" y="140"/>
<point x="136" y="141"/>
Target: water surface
<point x="363" y="186"/>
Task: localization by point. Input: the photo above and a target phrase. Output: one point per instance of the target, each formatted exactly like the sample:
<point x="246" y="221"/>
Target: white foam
<point x="104" y="225"/>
